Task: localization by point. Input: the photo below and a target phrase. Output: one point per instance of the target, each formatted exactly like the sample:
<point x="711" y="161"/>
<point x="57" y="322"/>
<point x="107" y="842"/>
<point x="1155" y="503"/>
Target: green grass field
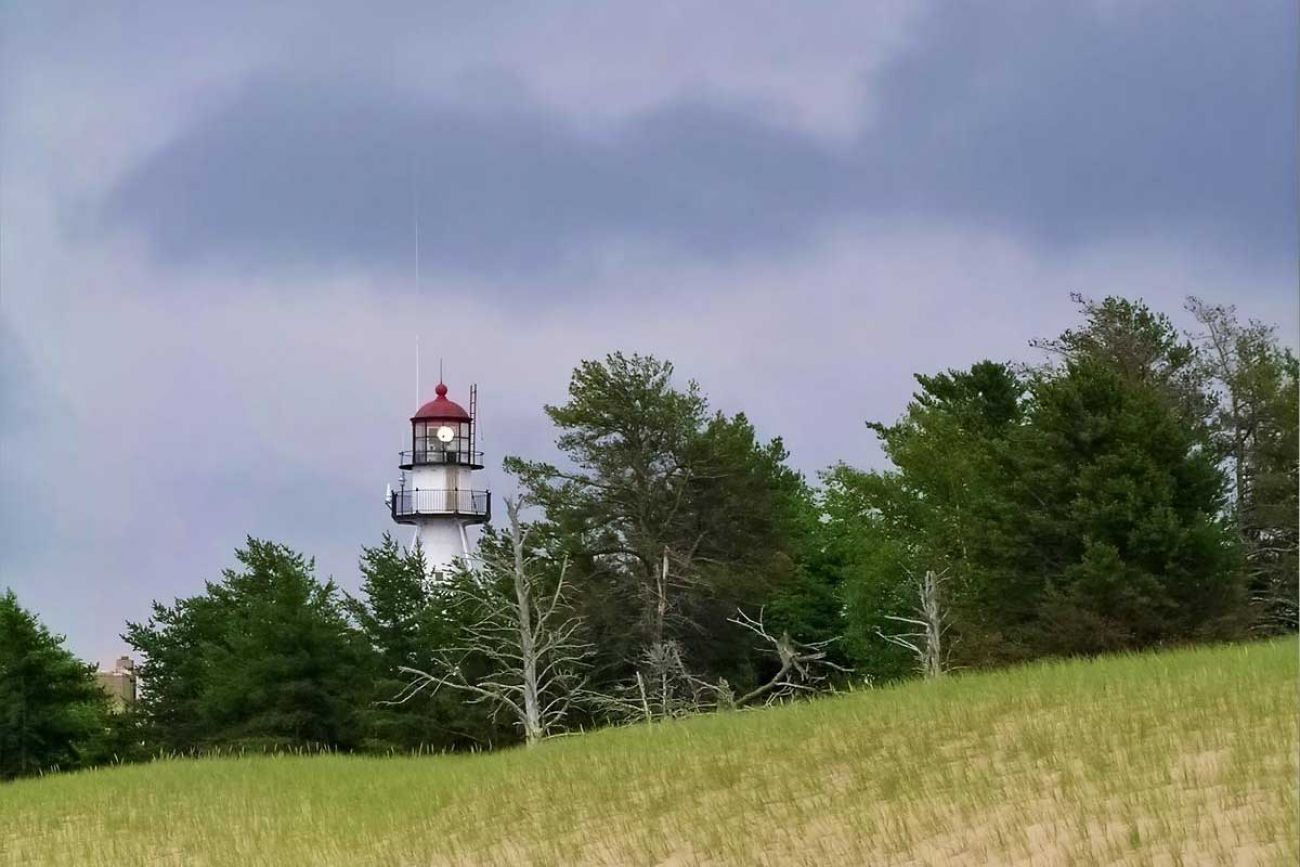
<point x="1187" y="757"/>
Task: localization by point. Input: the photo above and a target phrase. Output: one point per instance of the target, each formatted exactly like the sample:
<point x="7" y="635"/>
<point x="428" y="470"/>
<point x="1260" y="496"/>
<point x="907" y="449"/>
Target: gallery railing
<point x="408" y="505"/>
<point x="424" y="457"/>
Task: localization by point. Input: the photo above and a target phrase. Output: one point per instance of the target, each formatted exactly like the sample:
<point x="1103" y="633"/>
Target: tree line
<point x="1135" y="489"/>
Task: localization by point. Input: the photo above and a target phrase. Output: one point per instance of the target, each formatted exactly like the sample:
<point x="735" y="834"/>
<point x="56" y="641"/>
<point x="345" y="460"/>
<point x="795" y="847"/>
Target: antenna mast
<point x="473" y="414"/>
<point x="415" y="218"/>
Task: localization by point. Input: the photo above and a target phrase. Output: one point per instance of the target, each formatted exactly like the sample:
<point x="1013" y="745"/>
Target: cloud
<point x="1068" y="123"/>
<point x="1065" y="125"/>
<point x="328" y="173"/>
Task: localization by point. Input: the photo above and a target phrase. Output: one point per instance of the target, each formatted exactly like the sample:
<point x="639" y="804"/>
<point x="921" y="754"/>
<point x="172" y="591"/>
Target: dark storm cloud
<point x="1069" y="124"/>
<point x="1059" y="123"/>
<point x="324" y="172"/>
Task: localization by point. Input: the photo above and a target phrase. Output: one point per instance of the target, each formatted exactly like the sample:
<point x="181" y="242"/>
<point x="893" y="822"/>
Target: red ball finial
<point x="441" y="390"/>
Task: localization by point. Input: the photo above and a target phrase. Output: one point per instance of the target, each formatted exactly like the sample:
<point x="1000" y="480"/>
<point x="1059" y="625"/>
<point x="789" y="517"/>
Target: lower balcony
<point x="409" y="506"/>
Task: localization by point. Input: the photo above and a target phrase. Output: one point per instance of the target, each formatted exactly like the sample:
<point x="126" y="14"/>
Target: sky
<point x="211" y="289"/>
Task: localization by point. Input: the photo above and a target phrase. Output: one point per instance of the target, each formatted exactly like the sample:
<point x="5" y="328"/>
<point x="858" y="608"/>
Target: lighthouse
<point x="437" y="493"/>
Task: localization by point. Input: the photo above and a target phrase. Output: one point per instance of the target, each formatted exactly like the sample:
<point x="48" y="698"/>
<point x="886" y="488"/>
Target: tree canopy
<point x="264" y="659"/>
<point x="672" y="518"/>
<point x="1136" y="488"/>
<point x="52" y="713"/>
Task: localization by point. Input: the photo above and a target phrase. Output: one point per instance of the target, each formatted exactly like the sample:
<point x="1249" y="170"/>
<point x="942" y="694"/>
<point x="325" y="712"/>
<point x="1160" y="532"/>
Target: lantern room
<point x="442" y="432"/>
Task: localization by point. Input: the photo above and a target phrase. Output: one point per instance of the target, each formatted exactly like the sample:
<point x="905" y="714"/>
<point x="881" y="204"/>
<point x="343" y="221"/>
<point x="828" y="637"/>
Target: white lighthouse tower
<point x="437" y="489"/>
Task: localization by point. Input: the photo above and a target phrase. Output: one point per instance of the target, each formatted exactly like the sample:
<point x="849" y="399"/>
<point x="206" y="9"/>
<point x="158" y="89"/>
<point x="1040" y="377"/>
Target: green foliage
<point x="405" y="622"/>
<point x="1138" y="490"/>
<point x="1255" y="426"/>
<point x="1268" y="521"/>
<point x="173" y="676"/>
<point x="1117" y="475"/>
<point x="1123" y="504"/>
<point x="808" y="603"/>
<point x="650" y="472"/>
<point x="52" y="713"/>
<point x="393" y="616"/>
<point x="265" y="659"/>
<point x="935" y="511"/>
<point x="1076" y="508"/>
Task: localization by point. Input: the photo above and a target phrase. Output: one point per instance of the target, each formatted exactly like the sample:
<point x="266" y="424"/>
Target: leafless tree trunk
<point x="926" y="642"/>
<point x="664" y="686"/>
<point x="803" y="668"/>
<point x="533" y="653"/>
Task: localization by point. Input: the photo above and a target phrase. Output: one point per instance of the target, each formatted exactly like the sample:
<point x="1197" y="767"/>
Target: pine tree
<point x="51" y="709"/>
<point x="406" y="622"/>
<point x="1117" y="491"/>
<point x="935" y="511"/>
<point x="1078" y="509"/>
<point x="265" y="659"/>
<point x="670" y="519"/>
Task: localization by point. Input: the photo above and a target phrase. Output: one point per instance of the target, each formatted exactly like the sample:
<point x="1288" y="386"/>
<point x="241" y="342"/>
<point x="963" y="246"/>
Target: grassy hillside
<point x="1187" y="757"/>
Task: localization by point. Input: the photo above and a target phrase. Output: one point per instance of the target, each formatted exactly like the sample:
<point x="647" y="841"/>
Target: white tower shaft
<point x="444" y="490"/>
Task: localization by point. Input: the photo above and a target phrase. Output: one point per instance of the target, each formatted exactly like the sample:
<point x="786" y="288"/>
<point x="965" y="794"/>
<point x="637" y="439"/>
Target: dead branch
<point x="803" y="665"/>
<point x="531" y="652"/>
<point x="927" y="642"/>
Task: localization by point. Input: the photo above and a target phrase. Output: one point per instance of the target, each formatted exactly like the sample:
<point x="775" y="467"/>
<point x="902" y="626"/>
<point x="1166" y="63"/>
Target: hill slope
<point x="1185" y="757"/>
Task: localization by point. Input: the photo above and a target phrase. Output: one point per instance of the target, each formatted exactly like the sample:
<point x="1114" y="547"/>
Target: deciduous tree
<point x="1255" y="422"/>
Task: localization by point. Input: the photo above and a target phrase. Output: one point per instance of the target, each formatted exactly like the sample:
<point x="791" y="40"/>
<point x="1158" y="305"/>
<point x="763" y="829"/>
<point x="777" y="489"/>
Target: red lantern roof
<point x="441" y="409"/>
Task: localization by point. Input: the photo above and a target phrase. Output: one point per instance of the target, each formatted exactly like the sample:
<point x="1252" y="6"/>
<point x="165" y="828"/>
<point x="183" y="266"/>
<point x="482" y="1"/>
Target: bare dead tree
<point x="804" y="666"/>
<point x="523" y="633"/>
<point x="662" y="686"/>
<point x="926" y="643"/>
<point x="666" y="687"/>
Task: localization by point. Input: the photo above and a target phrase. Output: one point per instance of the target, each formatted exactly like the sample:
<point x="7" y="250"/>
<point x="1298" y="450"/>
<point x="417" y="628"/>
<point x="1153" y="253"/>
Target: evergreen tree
<point x="1117" y="500"/>
<point x="394" y="608"/>
<point x="406" y="621"/>
<point x="1080" y="509"/>
<point x="808" y="604"/>
<point x="652" y="479"/>
<point x="52" y="713"/>
<point x="264" y="659"/>
<point x="173" y="676"/>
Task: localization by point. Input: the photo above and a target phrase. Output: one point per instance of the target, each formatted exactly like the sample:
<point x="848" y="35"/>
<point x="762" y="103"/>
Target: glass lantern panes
<point x="429" y="447"/>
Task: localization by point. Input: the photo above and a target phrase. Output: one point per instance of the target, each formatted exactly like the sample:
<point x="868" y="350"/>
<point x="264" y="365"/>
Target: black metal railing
<point x="424" y="457"/>
<point x="408" y="504"/>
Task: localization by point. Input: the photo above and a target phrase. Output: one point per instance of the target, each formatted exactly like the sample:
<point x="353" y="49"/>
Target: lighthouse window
<point x="441" y="441"/>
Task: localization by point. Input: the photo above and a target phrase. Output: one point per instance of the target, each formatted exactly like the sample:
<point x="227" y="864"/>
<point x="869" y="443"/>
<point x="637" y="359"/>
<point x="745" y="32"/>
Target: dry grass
<point x="1178" y="758"/>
